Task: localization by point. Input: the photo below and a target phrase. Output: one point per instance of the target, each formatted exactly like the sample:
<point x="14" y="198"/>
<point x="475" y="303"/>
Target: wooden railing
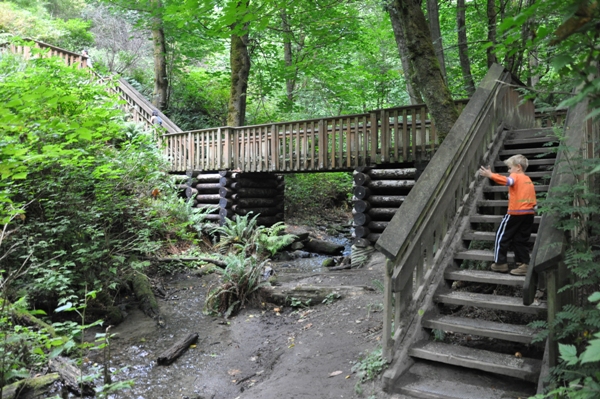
<point x="581" y="140"/>
<point x="401" y="134"/>
<point x="139" y="108"/>
<point x="69" y="57"/>
<point x="416" y="240"/>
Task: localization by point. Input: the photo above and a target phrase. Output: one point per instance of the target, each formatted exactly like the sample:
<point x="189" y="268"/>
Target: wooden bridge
<point x="392" y="135"/>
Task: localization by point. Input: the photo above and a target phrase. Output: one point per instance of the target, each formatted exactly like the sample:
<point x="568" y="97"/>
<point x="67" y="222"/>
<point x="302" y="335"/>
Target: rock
<point x="282" y="256"/>
<point x="328" y="262"/>
<point x="297" y="245"/>
<point x="301" y="233"/>
<point x="299" y="254"/>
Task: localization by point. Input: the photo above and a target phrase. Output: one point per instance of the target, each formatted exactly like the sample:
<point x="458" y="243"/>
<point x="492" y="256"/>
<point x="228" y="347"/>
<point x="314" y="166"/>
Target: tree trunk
<point x="291" y="73"/>
<point x="240" y="70"/>
<point x="161" y="83"/>
<point x="528" y="33"/>
<point x="424" y="62"/>
<point x="411" y="84"/>
<point x="491" y="16"/>
<point x="433" y="13"/>
<point x="463" y="49"/>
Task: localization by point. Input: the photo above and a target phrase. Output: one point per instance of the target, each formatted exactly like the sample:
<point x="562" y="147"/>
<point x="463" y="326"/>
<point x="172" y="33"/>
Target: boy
<point x="516" y="225"/>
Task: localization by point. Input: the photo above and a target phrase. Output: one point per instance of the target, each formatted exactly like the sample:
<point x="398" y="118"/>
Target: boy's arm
<point x="487" y="172"/>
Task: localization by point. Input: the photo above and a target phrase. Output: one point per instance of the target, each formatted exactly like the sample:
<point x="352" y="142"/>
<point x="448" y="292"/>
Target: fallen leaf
<point x="277" y="310"/>
<point x="518" y="354"/>
<point x="336" y="373"/>
<point x="306" y="327"/>
<point x="192" y="346"/>
<point x="233" y="372"/>
<point x="348" y="376"/>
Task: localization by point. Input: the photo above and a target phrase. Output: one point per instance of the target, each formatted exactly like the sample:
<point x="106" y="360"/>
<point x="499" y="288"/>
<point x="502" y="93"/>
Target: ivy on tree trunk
<point x="426" y="66"/>
<point x="240" y="70"/>
<point x="411" y="84"/>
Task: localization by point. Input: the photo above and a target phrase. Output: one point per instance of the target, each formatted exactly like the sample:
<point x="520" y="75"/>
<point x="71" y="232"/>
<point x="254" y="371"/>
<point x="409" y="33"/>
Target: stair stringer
<point x="414" y="331"/>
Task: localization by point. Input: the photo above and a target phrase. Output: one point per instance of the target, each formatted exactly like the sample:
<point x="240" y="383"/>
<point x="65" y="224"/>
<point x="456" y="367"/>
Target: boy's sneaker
<point x="500" y="268"/>
<point x="521" y="270"/>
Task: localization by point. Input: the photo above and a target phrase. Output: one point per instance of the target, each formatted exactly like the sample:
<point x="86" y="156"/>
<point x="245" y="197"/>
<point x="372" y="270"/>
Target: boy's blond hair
<point x="517" y="160"/>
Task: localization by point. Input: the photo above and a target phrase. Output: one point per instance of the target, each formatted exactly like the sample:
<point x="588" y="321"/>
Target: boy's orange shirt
<point x="521" y="193"/>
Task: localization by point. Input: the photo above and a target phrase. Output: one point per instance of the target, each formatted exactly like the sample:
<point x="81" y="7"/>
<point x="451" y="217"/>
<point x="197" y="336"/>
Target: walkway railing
<point x="139" y="108"/>
<point x="416" y="240"/>
<point x="401" y="134"/>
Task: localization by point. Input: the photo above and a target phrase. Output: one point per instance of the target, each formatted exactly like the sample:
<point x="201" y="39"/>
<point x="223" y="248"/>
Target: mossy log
<point x="23" y="317"/>
<point x="71" y="376"/>
<point x="143" y="292"/>
<point x="30" y="388"/>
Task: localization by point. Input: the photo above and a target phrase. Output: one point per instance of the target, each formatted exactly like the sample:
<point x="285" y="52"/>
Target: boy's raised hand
<point x="485" y="172"/>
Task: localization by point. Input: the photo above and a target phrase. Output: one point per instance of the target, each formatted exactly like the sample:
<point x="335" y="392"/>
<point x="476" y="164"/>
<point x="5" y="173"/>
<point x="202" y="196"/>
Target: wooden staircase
<point x="478" y="326"/>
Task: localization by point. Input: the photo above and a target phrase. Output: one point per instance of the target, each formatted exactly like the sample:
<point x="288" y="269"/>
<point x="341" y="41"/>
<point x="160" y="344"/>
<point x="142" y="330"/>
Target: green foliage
<point x="579" y="367"/>
<point x="298" y="303"/>
<point x="244" y="233"/>
<point x="271" y="239"/>
<point x="370" y="366"/>
<point x="312" y="195"/>
<point x="331" y="298"/>
<point x="83" y="178"/>
<point x="240" y="282"/>
<point x="75" y="35"/>
<point x="199" y="99"/>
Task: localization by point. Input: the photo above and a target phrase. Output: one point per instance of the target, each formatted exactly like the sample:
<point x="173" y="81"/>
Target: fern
<point x="271" y="239"/>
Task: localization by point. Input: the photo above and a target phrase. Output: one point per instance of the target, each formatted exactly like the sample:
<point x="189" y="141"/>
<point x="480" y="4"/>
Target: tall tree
<point x="463" y="49"/>
<point x="240" y="71"/>
<point x="424" y="62"/>
<point x="433" y="14"/>
<point x="411" y="86"/>
<point x="491" y="18"/>
<point x="160" y="96"/>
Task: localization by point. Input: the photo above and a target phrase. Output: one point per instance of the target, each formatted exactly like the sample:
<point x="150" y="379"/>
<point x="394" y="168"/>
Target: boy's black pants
<point x="515" y="230"/>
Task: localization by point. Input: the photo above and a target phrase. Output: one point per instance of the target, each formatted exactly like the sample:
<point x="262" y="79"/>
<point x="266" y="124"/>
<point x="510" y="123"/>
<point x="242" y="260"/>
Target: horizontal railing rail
<point x="417" y="238"/>
<point x="401" y="134"/>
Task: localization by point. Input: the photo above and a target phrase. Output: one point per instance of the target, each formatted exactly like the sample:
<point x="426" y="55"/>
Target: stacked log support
<point x="378" y="193"/>
<point x="251" y="193"/>
<point x="202" y="190"/>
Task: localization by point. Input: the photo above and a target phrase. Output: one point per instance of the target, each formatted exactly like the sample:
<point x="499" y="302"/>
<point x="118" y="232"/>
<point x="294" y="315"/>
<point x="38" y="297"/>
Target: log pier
<point x="378" y="194"/>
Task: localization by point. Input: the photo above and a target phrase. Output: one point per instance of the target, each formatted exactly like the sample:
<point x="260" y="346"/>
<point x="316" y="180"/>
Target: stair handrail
<point x="548" y="252"/>
<point x="416" y="239"/>
<point x="141" y="109"/>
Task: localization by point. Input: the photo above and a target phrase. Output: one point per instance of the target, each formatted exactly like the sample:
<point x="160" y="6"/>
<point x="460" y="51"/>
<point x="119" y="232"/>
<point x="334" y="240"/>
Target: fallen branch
<point x="169" y="356"/>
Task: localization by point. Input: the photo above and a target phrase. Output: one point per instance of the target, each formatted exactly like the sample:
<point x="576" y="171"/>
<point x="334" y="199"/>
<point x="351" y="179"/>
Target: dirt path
<point x="259" y="353"/>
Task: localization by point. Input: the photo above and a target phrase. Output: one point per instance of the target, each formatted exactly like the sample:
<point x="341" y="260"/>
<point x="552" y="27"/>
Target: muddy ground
<point x="259" y="353"/>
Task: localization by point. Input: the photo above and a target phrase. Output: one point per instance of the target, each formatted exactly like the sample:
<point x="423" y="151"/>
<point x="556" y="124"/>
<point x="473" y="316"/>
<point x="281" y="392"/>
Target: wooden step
<point x="480" y="254"/>
<point x="488" y="301"/>
<point x="531" y="162"/>
<point x="477" y="218"/>
<point x="482" y="328"/>
<point x="529" y="133"/>
<point x="527" y="151"/>
<point x="483" y="276"/>
<point x="528" y="141"/>
<point x="539" y="188"/>
<point x="432" y="380"/>
<point x="498" y="363"/>
<point x="487" y="236"/>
